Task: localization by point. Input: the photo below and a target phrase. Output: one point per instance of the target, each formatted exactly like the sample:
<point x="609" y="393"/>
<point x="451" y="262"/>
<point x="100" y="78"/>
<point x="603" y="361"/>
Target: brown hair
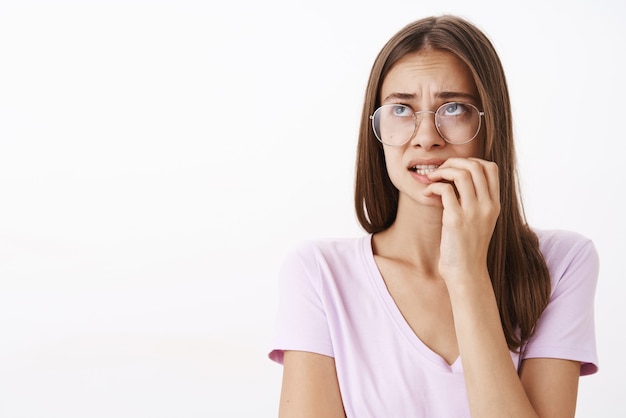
<point x="518" y="271"/>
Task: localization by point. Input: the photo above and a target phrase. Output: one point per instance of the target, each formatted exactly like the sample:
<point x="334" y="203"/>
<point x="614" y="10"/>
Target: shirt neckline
<point x="396" y="316"/>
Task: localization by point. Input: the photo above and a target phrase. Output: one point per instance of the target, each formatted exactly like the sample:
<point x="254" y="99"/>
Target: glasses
<point x="456" y="122"/>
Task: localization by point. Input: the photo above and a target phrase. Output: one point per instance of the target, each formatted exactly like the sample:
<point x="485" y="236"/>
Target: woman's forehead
<point x="433" y="73"/>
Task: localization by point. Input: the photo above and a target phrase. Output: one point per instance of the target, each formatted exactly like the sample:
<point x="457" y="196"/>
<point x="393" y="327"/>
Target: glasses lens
<point x="458" y="122"/>
<point x="393" y="124"/>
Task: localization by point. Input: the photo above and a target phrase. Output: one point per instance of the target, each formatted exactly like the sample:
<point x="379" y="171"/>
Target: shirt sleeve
<point x="301" y="320"/>
<point x="566" y="329"/>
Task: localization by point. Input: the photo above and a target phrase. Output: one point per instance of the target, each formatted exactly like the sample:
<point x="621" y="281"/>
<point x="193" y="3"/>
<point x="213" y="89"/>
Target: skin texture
<point x="310" y="388"/>
<point x="434" y="262"/>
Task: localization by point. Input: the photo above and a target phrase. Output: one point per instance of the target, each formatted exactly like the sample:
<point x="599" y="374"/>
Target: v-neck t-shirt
<point x="333" y="301"/>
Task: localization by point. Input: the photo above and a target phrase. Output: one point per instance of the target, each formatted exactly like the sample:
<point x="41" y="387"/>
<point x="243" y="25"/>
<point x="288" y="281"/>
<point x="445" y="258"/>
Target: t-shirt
<point x="333" y="301"/>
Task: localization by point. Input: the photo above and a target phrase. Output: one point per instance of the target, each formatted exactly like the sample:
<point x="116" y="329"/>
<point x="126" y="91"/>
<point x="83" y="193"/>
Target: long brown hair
<point x="518" y="271"/>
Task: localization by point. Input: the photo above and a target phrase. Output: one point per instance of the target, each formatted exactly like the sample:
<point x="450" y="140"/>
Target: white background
<point x="158" y="158"/>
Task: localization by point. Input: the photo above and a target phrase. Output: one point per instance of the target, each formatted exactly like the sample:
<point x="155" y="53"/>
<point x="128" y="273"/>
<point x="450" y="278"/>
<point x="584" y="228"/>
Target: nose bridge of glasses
<point x="419" y="116"/>
<point x="421" y="112"/>
<point x="429" y="131"/>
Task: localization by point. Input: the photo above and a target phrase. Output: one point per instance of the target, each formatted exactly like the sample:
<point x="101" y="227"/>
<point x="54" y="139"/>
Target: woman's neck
<point x="413" y="238"/>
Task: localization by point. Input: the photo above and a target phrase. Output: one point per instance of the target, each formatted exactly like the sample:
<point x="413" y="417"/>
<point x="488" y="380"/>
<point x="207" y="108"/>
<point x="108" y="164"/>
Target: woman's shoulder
<point x="330" y="247"/>
<point x="566" y="327"/>
<point x="568" y="253"/>
<point x="555" y="242"/>
<point x="326" y="259"/>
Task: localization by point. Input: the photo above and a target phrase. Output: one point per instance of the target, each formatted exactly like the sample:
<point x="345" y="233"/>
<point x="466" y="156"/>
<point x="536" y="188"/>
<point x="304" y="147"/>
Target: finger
<point x="471" y="177"/>
<point x="461" y="178"/>
<point x="479" y="178"/>
<point x="447" y="193"/>
<point x="492" y="175"/>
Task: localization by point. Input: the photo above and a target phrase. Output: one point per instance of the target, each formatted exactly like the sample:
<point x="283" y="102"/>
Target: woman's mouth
<point x="424" y="169"/>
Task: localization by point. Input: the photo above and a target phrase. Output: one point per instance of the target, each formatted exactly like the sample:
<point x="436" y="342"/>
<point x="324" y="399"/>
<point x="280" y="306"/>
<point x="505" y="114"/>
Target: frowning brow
<point x="449" y="95"/>
<point x="400" y="96"/>
<point x="444" y="95"/>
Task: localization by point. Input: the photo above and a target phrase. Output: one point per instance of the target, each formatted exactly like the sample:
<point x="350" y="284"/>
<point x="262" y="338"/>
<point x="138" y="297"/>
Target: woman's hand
<point x="470" y="194"/>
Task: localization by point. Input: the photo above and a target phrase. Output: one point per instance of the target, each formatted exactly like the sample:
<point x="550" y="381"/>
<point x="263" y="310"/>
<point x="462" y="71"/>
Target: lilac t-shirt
<point x="333" y="301"/>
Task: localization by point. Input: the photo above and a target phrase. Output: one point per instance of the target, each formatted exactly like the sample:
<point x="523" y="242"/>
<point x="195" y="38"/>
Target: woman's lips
<point x="420" y="172"/>
<point x="423" y="169"/>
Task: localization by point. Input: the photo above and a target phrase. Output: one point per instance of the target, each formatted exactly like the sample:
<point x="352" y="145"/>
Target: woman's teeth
<point x="424" y="169"/>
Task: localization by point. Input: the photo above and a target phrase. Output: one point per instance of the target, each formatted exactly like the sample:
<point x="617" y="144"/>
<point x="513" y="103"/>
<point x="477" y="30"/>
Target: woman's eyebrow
<point x="400" y="96"/>
<point x="444" y="95"/>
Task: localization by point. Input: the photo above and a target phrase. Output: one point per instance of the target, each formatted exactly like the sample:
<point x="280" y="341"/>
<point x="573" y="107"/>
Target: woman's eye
<point x="401" y="110"/>
<point x="453" y="109"/>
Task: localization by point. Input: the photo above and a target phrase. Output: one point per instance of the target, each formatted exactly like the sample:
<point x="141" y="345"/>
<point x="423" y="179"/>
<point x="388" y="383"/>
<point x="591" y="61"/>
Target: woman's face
<point x="424" y="81"/>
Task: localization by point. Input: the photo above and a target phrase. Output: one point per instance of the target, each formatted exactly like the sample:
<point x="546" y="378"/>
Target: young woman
<point x="450" y="305"/>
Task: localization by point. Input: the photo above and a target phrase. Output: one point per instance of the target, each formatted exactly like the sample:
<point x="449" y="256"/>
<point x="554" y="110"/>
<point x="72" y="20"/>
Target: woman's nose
<point x="426" y="134"/>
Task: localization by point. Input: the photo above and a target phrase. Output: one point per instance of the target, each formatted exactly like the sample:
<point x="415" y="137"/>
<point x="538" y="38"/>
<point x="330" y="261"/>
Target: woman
<point x="451" y="305"/>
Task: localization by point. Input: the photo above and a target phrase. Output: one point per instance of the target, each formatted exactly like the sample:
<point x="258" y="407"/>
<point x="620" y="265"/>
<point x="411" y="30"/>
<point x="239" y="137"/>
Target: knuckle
<point x="492" y="166"/>
<point x="475" y="165"/>
<point x="465" y="175"/>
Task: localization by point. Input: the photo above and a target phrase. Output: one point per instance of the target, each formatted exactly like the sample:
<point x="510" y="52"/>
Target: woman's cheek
<point x="394" y="166"/>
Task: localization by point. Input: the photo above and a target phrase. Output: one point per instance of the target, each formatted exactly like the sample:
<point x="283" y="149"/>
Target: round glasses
<point x="456" y="122"/>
